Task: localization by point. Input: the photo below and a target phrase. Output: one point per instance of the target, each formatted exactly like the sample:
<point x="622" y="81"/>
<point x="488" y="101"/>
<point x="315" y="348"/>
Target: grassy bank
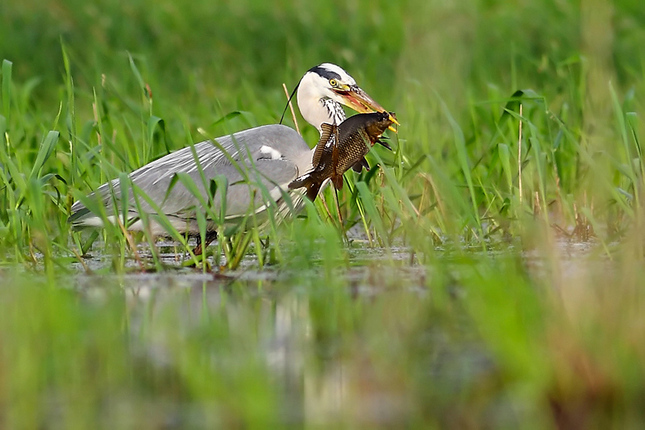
<point x="507" y="221"/>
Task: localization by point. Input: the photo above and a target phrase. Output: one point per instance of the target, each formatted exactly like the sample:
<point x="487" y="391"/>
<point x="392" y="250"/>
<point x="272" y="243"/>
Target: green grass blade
<point x="6" y="88"/>
<point x="45" y="151"/>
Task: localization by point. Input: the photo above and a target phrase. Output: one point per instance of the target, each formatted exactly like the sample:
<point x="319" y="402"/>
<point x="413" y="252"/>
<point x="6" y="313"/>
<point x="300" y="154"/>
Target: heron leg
<point x="324" y="202"/>
<point x="340" y="216"/>
<point x="210" y="237"/>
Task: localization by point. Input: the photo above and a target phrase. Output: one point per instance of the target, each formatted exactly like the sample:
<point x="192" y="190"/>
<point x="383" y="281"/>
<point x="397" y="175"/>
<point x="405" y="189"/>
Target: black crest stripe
<point x="325" y="73"/>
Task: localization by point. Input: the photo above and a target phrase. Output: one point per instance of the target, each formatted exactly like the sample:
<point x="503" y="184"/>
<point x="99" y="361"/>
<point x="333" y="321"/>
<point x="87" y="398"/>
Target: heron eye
<point x="333" y="83"/>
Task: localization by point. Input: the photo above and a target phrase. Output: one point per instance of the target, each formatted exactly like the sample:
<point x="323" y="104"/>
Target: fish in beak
<point x="354" y="97"/>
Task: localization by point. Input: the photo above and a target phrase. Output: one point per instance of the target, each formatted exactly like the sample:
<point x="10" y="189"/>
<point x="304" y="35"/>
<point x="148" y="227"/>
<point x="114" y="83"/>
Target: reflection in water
<point x="316" y="360"/>
<point x="369" y="345"/>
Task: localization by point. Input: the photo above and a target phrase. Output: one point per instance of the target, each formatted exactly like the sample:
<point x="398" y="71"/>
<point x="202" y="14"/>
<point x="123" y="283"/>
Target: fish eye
<point x="333" y="83"/>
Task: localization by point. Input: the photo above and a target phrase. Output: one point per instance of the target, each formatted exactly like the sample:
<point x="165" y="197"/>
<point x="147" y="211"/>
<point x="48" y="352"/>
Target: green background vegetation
<point x="500" y="284"/>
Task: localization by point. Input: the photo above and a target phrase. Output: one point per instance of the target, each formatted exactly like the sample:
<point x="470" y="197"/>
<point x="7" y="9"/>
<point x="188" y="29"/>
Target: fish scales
<point x="342" y="147"/>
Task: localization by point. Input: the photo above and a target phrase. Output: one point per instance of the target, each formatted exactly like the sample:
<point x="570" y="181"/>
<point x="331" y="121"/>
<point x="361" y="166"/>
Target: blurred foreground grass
<point x="478" y="312"/>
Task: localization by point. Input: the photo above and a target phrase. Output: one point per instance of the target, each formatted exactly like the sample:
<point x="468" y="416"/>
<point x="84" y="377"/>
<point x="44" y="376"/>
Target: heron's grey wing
<point x="154" y="181"/>
<point x="266" y="182"/>
<point x="265" y="155"/>
<point x="258" y="162"/>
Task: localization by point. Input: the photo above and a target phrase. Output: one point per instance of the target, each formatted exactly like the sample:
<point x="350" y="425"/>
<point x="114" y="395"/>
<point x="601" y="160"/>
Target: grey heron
<point x="258" y="164"/>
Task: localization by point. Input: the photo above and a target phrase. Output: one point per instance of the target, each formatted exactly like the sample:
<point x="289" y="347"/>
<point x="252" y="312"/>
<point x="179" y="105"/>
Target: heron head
<point x="329" y="81"/>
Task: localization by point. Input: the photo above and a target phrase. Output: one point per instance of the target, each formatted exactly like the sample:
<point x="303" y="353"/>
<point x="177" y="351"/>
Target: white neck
<point x="315" y="109"/>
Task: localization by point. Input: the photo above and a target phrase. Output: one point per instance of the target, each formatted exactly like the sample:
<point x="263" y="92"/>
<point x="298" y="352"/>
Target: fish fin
<point x="334" y="157"/>
<point x="337" y="180"/>
<point x="328" y="131"/>
<point x="385" y="144"/>
<point x="360" y="165"/>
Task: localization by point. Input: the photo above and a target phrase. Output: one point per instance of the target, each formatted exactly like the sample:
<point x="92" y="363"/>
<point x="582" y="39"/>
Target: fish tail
<point x="312" y="190"/>
<point x="300" y="182"/>
<point x="309" y="182"/>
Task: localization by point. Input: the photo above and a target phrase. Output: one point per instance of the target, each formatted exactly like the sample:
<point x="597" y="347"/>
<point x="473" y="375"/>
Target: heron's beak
<point x="354" y="97"/>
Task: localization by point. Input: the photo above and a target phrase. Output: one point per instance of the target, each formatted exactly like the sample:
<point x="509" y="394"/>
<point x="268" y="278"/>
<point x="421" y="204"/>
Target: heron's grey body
<point x="258" y="162"/>
<point x="258" y="165"/>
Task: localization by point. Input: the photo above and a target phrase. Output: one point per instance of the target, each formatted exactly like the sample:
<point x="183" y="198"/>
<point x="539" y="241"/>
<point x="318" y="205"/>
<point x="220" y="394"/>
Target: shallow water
<point x="334" y="353"/>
